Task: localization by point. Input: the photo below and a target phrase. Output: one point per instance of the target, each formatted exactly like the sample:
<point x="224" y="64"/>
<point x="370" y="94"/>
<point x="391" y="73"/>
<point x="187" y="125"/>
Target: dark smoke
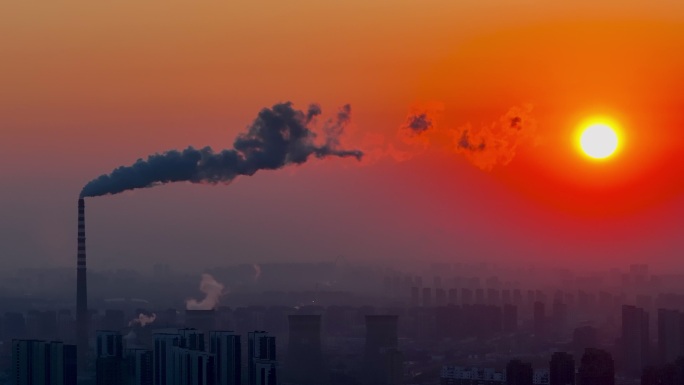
<point x="464" y="142"/>
<point x="496" y="144"/>
<point x="279" y="136"/>
<point x="419" y="123"/>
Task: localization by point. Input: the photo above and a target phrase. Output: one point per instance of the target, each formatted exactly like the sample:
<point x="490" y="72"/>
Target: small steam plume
<point x="257" y="271"/>
<point x="212" y="289"/>
<point x="143" y="319"/>
<point x="496" y="144"/>
<point x="279" y="136"/>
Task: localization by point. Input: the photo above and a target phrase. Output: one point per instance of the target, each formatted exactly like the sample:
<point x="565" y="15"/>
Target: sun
<point x="599" y="141"/>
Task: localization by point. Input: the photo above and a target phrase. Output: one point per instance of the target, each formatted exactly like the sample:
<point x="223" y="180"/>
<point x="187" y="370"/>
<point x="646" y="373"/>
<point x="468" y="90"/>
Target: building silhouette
<point x="519" y="373"/>
<point x="304" y="352"/>
<point x="562" y="369"/>
<point x="539" y="318"/>
<point x="261" y="358"/>
<point x="634" y="339"/>
<point x="41" y="363"/>
<point x="193" y="367"/>
<point x="164" y="344"/>
<point x="266" y="372"/>
<point x="584" y="337"/>
<point x="669" y="335"/>
<point x="596" y="368"/>
<point x="191" y="339"/>
<point x="227" y="350"/>
<point x="382" y="360"/>
<point x="109" y="358"/>
<point x="138" y="367"/>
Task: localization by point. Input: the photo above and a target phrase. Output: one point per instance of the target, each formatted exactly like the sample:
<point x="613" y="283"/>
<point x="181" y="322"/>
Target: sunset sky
<point x="87" y="86"/>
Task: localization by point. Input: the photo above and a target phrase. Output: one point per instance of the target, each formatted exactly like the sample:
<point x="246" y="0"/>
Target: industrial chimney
<point x="81" y="291"/>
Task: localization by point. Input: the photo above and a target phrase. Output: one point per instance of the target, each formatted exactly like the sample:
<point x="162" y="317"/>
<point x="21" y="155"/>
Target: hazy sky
<point x="89" y="86"/>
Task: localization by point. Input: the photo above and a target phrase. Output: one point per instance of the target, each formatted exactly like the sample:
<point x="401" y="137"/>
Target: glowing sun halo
<point x="599" y="141"/>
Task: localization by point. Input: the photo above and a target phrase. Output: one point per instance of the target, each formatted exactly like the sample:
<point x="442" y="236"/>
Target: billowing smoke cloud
<point x="212" y="289"/>
<point x="496" y="144"/>
<point x="279" y="136"/>
<point x="143" y="319"/>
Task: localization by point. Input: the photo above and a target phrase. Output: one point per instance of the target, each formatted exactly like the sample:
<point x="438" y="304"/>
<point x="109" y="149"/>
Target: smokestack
<point x="81" y="290"/>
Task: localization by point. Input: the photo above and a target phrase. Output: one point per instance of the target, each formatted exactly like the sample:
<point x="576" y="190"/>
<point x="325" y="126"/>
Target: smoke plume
<point x="279" y="136"/>
<point x="495" y="144"/>
<point x="212" y="289"/>
<point x="257" y="271"/>
<point x="419" y="123"/>
<point x="143" y="319"/>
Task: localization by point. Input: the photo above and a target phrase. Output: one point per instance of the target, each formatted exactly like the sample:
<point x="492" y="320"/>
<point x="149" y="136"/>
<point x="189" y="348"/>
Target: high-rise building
<point x="261" y="349"/>
<point x="519" y="373"/>
<point x="193" y="367"/>
<point x="164" y="344"/>
<point x="635" y="339"/>
<point x="109" y="358"/>
<point x="539" y="318"/>
<point x="562" y="369"/>
<point x="70" y="364"/>
<point x="191" y="339"/>
<point x="138" y="367"/>
<point x="109" y="344"/>
<point x="304" y="352"/>
<point x="266" y="373"/>
<point x="669" y="335"/>
<point x="382" y="359"/>
<point x="227" y="350"/>
<point x="36" y="362"/>
<point x="596" y="368"/>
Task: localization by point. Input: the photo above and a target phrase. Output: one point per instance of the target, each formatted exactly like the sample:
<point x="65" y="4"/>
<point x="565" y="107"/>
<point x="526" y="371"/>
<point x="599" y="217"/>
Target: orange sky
<point x="112" y="82"/>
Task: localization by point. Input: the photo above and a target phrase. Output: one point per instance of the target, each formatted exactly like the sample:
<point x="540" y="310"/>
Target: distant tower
<point x="227" y="349"/>
<point x="261" y="359"/>
<point x="562" y="369"/>
<point x="382" y="359"/>
<point x="635" y="339"/>
<point x="81" y="291"/>
<point x="109" y="358"/>
<point x="669" y="335"/>
<point x="596" y="368"/>
<point x="519" y="373"/>
<point x="305" y="362"/>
